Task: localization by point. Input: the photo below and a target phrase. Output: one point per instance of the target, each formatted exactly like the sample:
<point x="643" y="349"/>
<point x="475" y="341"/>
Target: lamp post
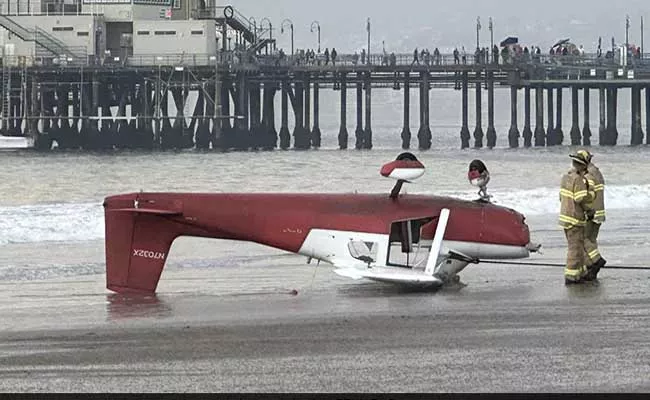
<point x="291" y="26"/>
<point x="627" y="30"/>
<point x="599" y="52"/>
<point x="251" y="20"/>
<point x="641" y="36"/>
<point x="491" y="27"/>
<point x="270" y="29"/>
<point x="312" y="31"/>
<point x="478" y="28"/>
<point x="368" y="29"/>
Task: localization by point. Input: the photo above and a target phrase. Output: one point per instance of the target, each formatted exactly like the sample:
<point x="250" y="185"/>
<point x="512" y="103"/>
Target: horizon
<point x="455" y="27"/>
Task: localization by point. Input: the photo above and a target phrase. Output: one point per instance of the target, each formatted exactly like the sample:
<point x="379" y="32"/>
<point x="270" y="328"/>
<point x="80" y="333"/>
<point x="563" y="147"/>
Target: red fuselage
<point x="149" y="222"/>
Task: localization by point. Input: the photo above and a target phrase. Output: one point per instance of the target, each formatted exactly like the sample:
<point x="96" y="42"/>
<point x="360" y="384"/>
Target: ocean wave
<point x="543" y="201"/>
<point x="71" y="222"/>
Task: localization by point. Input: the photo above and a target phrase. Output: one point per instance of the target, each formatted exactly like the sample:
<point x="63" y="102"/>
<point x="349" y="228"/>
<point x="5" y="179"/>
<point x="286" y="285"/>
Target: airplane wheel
<point x="406" y="156"/>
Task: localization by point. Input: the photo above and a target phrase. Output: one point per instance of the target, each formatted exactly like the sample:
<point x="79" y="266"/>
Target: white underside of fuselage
<point x="359" y="255"/>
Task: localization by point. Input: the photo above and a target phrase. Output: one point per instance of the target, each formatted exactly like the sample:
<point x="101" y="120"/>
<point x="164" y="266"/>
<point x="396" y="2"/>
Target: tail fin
<point x="137" y="243"/>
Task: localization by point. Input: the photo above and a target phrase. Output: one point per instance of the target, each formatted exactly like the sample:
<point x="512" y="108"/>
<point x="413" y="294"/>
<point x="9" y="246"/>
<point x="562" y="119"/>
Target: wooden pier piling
<point x="406" y="130"/>
<point x="527" y="132"/>
<point x="574" y="133"/>
<point x="586" y="131"/>
<point x="343" y="130"/>
<point x="424" y="133"/>
<point x="540" y="133"/>
<point x="464" y="130"/>
<point x="367" y="132"/>
<point x="491" y="134"/>
<point x="550" y="135"/>
<point x="558" y="133"/>
<point x="513" y="132"/>
<point x="478" y="129"/>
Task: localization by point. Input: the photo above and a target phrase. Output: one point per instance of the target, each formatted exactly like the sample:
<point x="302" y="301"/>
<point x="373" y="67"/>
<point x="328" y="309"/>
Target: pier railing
<point x="238" y="60"/>
<point x="247" y="58"/>
<point x="320" y="60"/>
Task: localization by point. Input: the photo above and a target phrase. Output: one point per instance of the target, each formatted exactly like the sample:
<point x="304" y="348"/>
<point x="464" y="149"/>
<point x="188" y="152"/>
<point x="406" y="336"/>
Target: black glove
<point x="590" y="214"/>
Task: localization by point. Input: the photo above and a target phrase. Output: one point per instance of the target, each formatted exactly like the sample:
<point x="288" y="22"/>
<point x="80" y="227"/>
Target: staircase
<point x="43" y="39"/>
<point x="240" y="23"/>
<point x="235" y="20"/>
<point x="260" y="44"/>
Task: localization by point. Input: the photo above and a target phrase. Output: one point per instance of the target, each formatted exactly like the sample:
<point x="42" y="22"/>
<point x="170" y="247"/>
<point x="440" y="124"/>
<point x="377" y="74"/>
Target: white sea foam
<point x="51" y="222"/>
<point x="544" y="201"/>
<point x="72" y="222"/>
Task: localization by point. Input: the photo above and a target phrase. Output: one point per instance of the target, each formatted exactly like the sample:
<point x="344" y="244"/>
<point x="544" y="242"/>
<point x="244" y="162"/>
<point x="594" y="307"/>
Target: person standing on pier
<point x="575" y="199"/>
<point x="456" y="57"/>
<point x="595" y="217"/>
<point x="327" y="56"/>
<point x="333" y="56"/>
<point x="415" y="57"/>
<point x="436" y="56"/>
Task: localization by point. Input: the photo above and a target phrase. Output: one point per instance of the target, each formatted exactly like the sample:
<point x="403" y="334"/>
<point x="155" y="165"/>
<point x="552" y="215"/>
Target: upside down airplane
<point x="406" y="239"/>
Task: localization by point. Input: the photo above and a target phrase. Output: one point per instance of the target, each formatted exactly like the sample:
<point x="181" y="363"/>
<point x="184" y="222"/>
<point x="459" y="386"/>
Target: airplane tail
<point x="138" y="240"/>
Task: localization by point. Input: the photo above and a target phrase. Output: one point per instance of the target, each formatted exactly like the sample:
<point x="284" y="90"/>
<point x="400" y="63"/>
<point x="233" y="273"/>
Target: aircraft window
<point x="364" y="251"/>
<point x="416" y="258"/>
<point x="404" y="248"/>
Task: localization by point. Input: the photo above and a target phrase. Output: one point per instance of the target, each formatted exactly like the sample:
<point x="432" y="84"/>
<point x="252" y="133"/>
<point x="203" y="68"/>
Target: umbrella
<point x="561" y="42"/>
<point x="509" y="40"/>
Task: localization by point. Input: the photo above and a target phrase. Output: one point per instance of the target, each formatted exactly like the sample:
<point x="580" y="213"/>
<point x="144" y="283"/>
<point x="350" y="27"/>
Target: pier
<point x="62" y="97"/>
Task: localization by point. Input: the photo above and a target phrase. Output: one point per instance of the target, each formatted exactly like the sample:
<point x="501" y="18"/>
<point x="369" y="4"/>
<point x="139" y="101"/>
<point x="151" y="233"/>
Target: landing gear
<point x="478" y="175"/>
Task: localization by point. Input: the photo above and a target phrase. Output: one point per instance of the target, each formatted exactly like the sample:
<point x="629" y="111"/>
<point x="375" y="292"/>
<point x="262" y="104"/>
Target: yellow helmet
<point x="581" y="156"/>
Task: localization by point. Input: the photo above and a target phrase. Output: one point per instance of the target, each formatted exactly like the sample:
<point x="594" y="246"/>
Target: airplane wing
<point x="407" y="277"/>
<point x="401" y="276"/>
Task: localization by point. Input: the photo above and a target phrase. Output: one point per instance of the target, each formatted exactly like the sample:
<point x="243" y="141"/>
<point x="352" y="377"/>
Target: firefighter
<point x="596" y="218"/>
<point x="574" y="201"/>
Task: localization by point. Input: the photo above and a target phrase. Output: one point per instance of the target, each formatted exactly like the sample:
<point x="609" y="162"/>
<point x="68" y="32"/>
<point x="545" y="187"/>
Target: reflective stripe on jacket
<point x="574" y="199"/>
<point x="597" y="184"/>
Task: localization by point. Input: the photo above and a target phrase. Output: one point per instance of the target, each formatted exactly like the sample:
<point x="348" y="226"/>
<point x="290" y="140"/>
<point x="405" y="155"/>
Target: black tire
<point x="477" y="165"/>
<point x="406" y="156"/>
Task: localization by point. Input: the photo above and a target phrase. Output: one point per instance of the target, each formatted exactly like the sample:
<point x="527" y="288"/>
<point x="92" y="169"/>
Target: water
<point x="51" y="215"/>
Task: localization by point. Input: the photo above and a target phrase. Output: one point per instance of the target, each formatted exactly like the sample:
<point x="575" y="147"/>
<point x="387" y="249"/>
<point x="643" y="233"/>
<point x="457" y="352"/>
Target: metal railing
<point x="57" y="46"/>
<point x="188" y="60"/>
<point x="249" y="60"/>
<point x="404" y="59"/>
<point x="40" y="37"/>
<point x="44" y="61"/>
<point x="16" y="28"/>
<point x="232" y="17"/>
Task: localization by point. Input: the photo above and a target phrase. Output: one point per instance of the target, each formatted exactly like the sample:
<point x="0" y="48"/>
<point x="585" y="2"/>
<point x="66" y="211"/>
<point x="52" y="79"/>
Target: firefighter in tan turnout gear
<point x="595" y="219"/>
<point x="575" y="200"/>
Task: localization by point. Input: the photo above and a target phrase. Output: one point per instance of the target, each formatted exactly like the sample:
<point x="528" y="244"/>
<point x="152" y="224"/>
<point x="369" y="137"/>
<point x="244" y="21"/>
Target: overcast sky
<point x="406" y="24"/>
